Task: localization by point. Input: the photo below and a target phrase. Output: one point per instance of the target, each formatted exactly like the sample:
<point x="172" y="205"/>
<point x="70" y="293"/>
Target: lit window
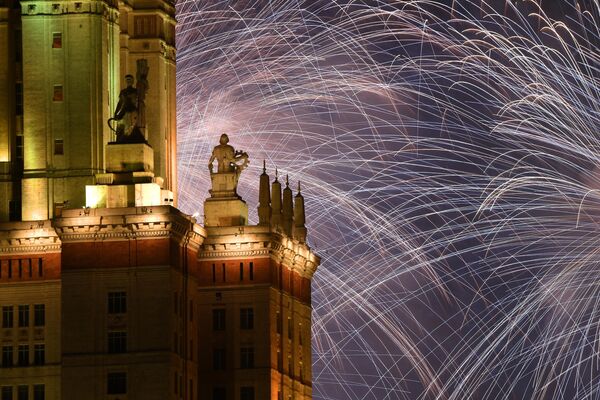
<point x="57" y="40"/>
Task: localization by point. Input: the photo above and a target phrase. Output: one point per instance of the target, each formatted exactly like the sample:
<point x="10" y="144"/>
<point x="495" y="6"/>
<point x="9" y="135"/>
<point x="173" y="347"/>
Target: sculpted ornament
<point x="228" y="159"/>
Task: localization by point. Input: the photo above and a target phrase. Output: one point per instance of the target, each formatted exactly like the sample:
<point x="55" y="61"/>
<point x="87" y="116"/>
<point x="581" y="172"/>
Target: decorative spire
<point x="276" y="201"/>
<point x="299" y="217"/>
<point x="264" y="198"/>
<point x="287" y="211"/>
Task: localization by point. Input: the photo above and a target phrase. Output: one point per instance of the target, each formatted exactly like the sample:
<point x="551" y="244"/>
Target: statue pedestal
<point x="129" y="157"/>
<point x="224" y="184"/>
<point x="231" y="211"/>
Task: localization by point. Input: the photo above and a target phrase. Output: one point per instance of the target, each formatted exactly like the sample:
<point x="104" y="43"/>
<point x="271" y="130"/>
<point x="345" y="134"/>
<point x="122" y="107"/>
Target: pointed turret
<point x="276" y="201"/>
<point x="264" y="198"/>
<point x="299" y="217"/>
<point x="287" y="210"/>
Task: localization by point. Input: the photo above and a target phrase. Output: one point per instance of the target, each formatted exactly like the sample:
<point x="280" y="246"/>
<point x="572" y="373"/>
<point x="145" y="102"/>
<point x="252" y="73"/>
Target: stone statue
<point x="227" y="157"/>
<point x="130" y="113"/>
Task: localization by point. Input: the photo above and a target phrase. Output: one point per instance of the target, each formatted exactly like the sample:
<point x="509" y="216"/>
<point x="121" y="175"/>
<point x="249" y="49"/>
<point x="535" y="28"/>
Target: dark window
<point x="117" y="342"/>
<point x="290" y="329"/>
<point x="117" y="303"/>
<point x="7" y="393"/>
<point x="251" y="271"/>
<point x="19" y="98"/>
<point x="219" y="319"/>
<point x="116" y="383"/>
<point x="40" y="267"/>
<point x="246" y="393"/>
<point x="300" y="334"/>
<point x="14" y="206"/>
<point x="279" y="361"/>
<point x="214" y="271"/>
<point x="218" y="359"/>
<point x="246" y="318"/>
<point x="57" y="94"/>
<point x="19" y="146"/>
<point x="29" y="267"/>
<point x="219" y="393"/>
<point x="7" y="317"/>
<point x="22" y="392"/>
<point x="23" y="315"/>
<point x="223" y="271"/>
<point x="39" y="315"/>
<point x="175" y="302"/>
<point x="39" y="354"/>
<point x="7" y="356"/>
<point x="59" y="147"/>
<point x="191" y="310"/>
<point x="23" y="355"/>
<point x="241" y="271"/>
<point x="57" y="40"/>
<point x="247" y="357"/>
<point x="39" y="392"/>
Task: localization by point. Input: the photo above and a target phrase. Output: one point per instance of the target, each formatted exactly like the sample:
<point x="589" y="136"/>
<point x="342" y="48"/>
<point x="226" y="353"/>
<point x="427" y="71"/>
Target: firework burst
<point x="448" y="153"/>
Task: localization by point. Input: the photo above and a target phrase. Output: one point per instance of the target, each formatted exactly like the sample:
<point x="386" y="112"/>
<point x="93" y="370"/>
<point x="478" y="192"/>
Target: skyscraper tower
<point x="106" y="290"/>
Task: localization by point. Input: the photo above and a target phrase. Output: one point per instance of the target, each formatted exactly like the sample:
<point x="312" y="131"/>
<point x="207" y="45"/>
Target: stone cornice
<point x="135" y="223"/>
<point x="258" y="241"/>
<point x="61" y="7"/>
<point x="28" y="238"/>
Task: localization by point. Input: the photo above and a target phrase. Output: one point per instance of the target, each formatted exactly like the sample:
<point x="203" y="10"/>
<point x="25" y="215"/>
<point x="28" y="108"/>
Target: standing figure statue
<point x="130" y="113"/>
<point x="227" y="157"/>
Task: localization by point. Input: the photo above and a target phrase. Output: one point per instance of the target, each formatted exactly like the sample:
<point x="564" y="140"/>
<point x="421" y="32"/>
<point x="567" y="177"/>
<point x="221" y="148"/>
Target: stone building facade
<point x="107" y="291"/>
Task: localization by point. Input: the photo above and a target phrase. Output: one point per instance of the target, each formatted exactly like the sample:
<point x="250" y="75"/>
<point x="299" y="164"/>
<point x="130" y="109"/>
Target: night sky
<point x="448" y="155"/>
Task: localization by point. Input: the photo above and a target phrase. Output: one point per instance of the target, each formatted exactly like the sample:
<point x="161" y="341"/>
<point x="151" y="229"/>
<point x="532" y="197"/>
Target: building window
<point x="175" y="302"/>
<point x="116" y="383"/>
<point x="223" y="271"/>
<point x="39" y="392"/>
<point x="7" y="356"/>
<point x="23" y="316"/>
<point x="218" y="359"/>
<point x="59" y="147"/>
<point x="39" y="354"/>
<point x="57" y="94"/>
<point x="7" y="393"/>
<point x="247" y="357"/>
<point x="41" y="267"/>
<point x="57" y="40"/>
<point x="279" y="360"/>
<point x="214" y="271"/>
<point x="14" y="206"/>
<point x="7" y="315"/>
<point x="278" y="322"/>
<point x="22" y="392"/>
<point x="39" y="315"/>
<point x="219" y="319"/>
<point x="251" y="271"/>
<point x="246" y="393"/>
<point x="219" y="393"/>
<point x="117" y="342"/>
<point x="290" y="329"/>
<point x="191" y="310"/>
<point x="23" y="355"/>
<point x="117" y="302"/>
<point x="246" y="318"/>
<point x="241" y="271"/>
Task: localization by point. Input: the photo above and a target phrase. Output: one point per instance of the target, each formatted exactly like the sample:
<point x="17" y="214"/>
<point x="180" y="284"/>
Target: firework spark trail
<point x="448" y="153"/>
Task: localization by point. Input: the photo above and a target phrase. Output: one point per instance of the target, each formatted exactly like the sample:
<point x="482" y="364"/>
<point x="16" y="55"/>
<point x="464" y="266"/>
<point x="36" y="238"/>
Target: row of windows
<point x="39" y="315"/>
<point x="21" y="267"/>
<point x="224" y="277"/>
<point x="246" y="393"/>
<point x="23" y="360"/>
<point x="246" y="358"/>
<point x="246" y="318"/>
<point x="38" y="391"/>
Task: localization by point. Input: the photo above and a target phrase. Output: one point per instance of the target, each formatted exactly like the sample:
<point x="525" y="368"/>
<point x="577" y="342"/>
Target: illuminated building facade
<point x="107" y="291"/>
